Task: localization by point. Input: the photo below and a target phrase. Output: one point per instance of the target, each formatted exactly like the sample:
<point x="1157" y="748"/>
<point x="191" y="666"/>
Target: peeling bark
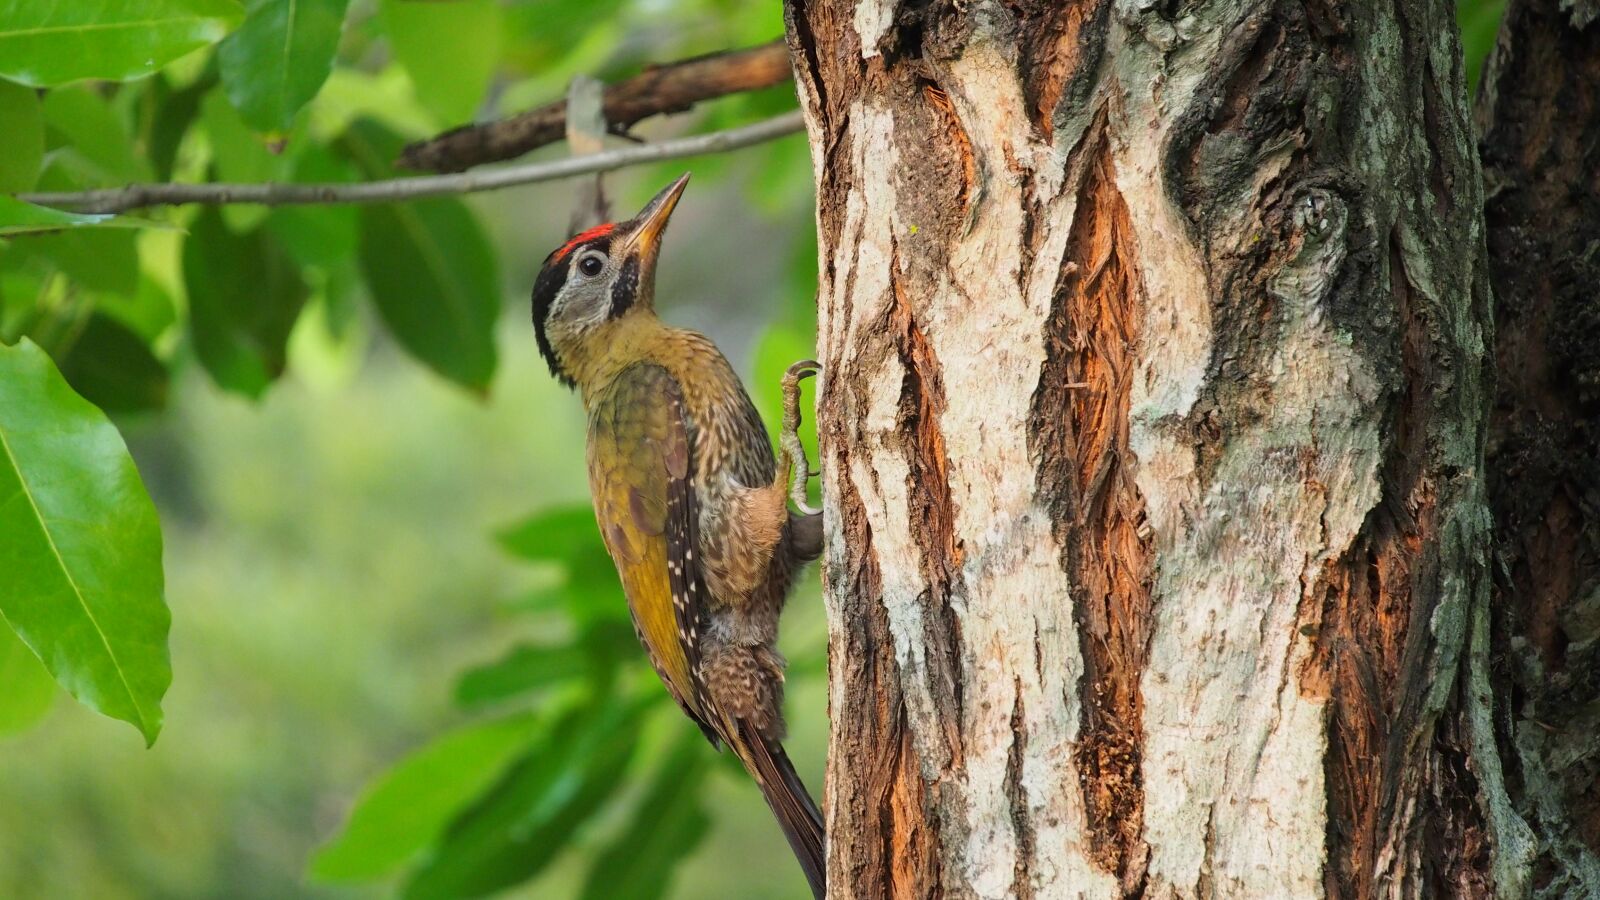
<point x="1152" y="426"/>
<point x="1086" y="478"/>
<point x="1540" y="108"/>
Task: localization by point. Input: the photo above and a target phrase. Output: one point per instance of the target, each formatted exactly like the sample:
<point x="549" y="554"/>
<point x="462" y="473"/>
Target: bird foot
<point x="794" y="453"/>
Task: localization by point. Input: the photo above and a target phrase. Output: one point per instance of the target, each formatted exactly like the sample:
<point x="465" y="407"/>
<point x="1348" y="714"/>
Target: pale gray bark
<point x="1154" y="347"/>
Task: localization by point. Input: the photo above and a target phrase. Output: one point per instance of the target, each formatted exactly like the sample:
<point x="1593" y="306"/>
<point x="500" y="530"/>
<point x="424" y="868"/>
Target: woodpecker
<point x="688" y="497"/>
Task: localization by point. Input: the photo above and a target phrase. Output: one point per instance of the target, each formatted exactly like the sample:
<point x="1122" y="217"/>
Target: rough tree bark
<point x="1540" y="112"/>
<point x="1156" y="348"/>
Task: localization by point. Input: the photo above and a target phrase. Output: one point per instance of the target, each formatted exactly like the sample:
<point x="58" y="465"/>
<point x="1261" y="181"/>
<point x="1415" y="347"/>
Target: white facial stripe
<point x="584" y="300"/>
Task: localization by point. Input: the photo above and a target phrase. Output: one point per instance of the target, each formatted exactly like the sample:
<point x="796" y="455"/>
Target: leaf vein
<point x="104" y="26"/>
<point x="77" y="592"/>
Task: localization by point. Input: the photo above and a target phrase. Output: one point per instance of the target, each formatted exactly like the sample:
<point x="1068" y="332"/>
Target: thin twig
<point x="672" y="87"/>
<point x="138" y="196"/>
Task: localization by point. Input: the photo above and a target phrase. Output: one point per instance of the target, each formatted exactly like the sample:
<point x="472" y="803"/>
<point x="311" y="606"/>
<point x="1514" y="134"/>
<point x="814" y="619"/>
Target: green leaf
<point x="432" y="274"/>
<point x="402" y="812"/>
<point x="101" y="151"/>
<point x="662" y="832"/>
<point x="385" y="96"/>
<point x="279" y="58"/>
<point x="45" y="44"/>
<point x="23" y="147"/>
<point x="589" y="596"/>
<point x="240" y="155"/>
<point x="171" y="111"/>
<point x="22" y="294"/>
<point x="337" y="293"/>
<point x="561" y="534"/>
<point x="17" y="217"/>
<point x="147" y="312"/>
<point x="113" y="368"/>
<point x="80" y="545"/>
<point x="100" y="259"/>
<point x="430" y="269"/>
<point x="526" y="819"/>
<point x="527" y="667"/>
<point x="545" y="37"/>
<point x="88" y="146"/>
<point x="449" y="49"/>
<point x="568" y="536"/>
<point x="29" y="689"/>
<point x="324" y="236"/>
<point x="244" y="298"/>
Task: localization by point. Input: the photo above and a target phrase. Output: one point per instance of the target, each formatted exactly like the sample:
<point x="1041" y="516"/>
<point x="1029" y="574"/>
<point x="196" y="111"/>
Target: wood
<point x="1152" y="425"/>
<point x="673" y="87"/>
<point x="1540" y="111"/>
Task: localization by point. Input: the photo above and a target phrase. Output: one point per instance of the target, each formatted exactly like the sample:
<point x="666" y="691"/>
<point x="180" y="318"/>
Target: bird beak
<point x="652" y="220"/>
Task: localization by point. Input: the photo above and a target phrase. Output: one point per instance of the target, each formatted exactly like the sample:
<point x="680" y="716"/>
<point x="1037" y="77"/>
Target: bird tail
<point x="796" y="812"/>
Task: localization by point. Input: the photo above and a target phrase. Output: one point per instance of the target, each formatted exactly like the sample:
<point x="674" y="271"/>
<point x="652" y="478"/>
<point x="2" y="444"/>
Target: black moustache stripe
<point x="626" y="288"/>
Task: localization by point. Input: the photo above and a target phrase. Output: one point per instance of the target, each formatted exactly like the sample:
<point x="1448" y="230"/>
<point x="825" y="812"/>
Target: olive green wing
<point x="640" y="475"/>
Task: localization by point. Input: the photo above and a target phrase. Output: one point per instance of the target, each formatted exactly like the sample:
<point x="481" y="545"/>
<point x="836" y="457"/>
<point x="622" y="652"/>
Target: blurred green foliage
<point x="341" y="616"/>
<point x="1480" y="23"/>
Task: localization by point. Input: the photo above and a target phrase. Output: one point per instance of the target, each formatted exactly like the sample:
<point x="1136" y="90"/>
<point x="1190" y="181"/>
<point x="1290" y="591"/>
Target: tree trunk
<point x="1156" y="383"/>
<point x="1540" y="106"/>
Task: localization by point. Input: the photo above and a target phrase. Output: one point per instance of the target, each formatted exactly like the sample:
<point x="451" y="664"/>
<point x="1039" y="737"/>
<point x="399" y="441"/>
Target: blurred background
<point x="387" y="591"/>
<point x="401" y="661"/>
<point x="333" y="570"/>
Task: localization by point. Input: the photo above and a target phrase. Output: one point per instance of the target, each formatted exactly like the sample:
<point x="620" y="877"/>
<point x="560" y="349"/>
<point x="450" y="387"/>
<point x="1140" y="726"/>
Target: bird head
<point x="595" y="282"/>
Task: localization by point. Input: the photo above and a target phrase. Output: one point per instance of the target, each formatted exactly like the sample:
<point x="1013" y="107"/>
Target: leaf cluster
<point x="96" y="95"/>
<point x="566" y="728"/>
<point x="569" y="741"/>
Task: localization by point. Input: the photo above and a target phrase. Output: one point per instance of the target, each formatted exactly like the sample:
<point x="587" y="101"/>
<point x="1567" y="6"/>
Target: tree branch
<point x="137" y="196"/>
<point x="673" y="87"/>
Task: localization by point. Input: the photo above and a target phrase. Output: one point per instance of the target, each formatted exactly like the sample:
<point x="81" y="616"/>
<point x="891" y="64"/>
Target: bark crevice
<point x="1080" y="433"/>
<point x="884" y="784"/>
<point x="1539" y="109"/>
<point x="1359" y="614"/>
<point x="922" y="402"/>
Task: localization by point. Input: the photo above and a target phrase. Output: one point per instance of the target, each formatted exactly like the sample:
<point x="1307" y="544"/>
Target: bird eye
<point x="590" y="266"/>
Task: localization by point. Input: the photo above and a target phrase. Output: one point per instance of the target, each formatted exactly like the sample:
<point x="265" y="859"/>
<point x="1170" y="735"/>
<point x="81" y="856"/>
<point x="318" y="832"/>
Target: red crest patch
<point x="591" y="234"/>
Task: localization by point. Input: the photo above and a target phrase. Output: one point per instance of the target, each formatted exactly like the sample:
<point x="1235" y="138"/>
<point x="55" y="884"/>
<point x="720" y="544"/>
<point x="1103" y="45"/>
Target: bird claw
<point x="794" y="452"/>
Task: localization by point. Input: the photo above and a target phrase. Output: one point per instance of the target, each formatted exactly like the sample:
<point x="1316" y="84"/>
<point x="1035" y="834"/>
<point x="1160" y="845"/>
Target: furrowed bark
<point x="1540" y="111"/>
<point x="1081" y="429"/>
<point x="1152" y="427"/>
